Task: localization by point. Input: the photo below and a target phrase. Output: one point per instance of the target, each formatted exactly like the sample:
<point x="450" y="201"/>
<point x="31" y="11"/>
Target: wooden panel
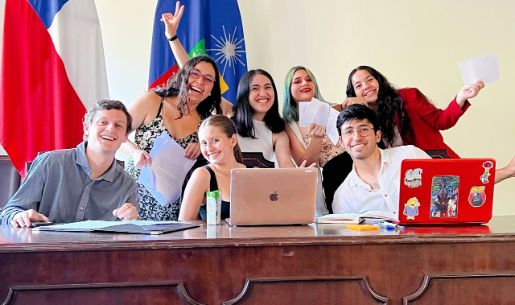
<point x="104" y="293"/>
<point x="467" y="289"/>
<point x="324" y="264"/>
<point x="343" y="290"/>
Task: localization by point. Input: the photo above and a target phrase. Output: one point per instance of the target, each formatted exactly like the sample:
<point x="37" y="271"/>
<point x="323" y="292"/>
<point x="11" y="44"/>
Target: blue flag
<point x="207" y="27"/>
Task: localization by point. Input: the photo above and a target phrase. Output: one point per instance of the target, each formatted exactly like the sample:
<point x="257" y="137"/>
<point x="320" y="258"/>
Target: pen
<point x="390" y="226"/>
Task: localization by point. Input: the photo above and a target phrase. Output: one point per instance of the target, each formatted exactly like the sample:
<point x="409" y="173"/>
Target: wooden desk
<point x="262" y="265"/>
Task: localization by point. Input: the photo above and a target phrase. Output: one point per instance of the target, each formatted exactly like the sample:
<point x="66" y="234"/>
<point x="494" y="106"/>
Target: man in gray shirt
<point x="80" y="183"/>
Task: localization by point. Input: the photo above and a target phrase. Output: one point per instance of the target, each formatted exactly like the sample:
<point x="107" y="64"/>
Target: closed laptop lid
<point x="446" y="191"/>
<point x="273" y="196"/>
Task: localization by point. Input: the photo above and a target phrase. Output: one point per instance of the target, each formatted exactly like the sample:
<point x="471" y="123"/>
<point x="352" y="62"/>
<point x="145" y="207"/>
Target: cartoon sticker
<point x="411" y="208"/>
<point x="477" y="196"/>
<point x="413" y="178"/>
<point x="487" y="165"/>
<point x="444" y="196"/>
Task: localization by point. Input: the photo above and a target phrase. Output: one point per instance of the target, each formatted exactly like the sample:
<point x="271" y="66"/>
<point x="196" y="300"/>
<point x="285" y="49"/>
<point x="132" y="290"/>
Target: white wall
<point x="413" y="42"/>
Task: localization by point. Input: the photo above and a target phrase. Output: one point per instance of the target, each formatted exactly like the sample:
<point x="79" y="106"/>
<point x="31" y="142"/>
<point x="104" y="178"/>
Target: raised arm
<point x="171" y="22"/>
<point x="506" y="172"/>
<point x="469" y="91"/>
<point x="194" y="193"/>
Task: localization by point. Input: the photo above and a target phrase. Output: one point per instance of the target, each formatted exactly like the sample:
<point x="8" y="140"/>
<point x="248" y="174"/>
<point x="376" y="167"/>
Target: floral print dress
<point x="144" y="138"/>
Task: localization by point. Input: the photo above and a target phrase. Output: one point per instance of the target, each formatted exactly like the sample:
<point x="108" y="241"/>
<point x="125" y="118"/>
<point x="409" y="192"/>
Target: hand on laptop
<point x="23" y="219"/>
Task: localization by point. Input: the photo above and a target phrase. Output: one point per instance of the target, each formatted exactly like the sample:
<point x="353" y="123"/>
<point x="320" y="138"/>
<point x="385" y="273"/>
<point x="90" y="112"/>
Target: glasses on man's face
<point x="195" y="74"/>
<point x="363" y="131"/>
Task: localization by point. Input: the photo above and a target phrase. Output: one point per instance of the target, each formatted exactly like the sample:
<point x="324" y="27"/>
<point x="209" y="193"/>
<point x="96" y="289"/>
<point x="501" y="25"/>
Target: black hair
<point x="243" y="112"/>
<point x="390" y="109"/>
<point x="357" y="112"/>
<point x="178" y="86"/>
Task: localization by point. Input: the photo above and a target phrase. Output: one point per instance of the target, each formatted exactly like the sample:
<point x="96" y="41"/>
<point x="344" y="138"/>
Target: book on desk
<point x="127" y="226"/>
<point x="370" y="217"/>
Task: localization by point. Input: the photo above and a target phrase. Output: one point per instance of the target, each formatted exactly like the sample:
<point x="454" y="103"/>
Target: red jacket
<point x="427" y="120"/>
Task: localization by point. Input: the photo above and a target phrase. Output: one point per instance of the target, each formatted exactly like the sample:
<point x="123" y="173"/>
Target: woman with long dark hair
<point x="406" y="116"/>
<point x="256" y="116"/>
<point x="178" y="109"/>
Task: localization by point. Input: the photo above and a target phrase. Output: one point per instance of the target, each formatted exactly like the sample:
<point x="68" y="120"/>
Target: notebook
<point x="446" y="191"/>
<point x="119" y="226"/>
<point x="273" y="196"/>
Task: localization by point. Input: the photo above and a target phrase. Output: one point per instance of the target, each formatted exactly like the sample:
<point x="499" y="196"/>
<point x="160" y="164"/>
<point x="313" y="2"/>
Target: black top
<point x="213" y="186"/>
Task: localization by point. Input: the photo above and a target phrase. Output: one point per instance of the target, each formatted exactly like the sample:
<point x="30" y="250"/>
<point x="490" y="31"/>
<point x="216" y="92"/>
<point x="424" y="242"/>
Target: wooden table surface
<point x="313" y="264"/>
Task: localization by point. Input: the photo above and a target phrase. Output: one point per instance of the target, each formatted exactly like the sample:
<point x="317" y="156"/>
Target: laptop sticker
<point x="413" y="178"/>
<point x="411" y="208"/>
<point x="444" y="196"/>
<point x="477" y="196"/>
<point x="487" y="165"/>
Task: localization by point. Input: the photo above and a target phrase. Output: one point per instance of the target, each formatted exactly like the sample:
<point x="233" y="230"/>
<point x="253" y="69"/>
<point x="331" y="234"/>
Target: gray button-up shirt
<point x="59" y="186"/>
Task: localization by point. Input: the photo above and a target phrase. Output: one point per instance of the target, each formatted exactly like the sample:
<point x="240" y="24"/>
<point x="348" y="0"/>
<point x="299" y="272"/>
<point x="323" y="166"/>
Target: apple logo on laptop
<point x="274" y="196"/>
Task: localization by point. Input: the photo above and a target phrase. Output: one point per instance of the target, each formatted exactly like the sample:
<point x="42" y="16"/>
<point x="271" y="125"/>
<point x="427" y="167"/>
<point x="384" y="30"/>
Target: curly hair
<point x="390" y="108"/>
<point x="178" y="86"/>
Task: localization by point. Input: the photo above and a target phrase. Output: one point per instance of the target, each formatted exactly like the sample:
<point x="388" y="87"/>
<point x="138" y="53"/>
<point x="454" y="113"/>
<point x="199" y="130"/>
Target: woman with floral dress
<point x="178" y="109"/>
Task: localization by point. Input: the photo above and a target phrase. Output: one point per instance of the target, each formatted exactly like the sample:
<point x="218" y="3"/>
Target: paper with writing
<point x="320" y="113"/>
<point x="165" y="176"/>
<point x="483" y="68"/>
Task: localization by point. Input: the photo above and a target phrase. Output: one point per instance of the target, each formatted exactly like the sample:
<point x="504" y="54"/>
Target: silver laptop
<point x="273" y="196"/>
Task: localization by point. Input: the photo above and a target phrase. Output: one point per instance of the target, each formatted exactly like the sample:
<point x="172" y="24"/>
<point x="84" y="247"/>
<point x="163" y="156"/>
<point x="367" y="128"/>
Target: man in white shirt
<point x="373" y="183"/>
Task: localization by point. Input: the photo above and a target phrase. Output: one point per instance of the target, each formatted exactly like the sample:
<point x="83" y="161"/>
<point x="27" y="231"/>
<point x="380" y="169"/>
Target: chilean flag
<point x="53" y="69"/>
<point x="207" y="27"/>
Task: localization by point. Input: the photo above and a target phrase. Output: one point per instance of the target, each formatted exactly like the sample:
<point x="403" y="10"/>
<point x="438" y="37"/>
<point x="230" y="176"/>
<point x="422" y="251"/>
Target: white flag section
<point x="77" y="38"/>
<point x="164" y="178"/>
<point x="320" y="113"/>
<point x="483" y="68"/>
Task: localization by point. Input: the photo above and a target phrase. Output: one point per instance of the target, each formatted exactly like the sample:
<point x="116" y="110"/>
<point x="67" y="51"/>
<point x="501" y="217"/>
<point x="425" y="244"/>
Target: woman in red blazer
<point x="406" y="116"/>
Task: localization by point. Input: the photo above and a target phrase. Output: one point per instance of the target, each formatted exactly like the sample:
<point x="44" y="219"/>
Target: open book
<point x="369" y="217"/>
<point x="127" y="226"/>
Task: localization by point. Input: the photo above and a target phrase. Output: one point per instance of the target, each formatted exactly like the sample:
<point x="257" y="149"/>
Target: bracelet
<point x="172" y="38"/>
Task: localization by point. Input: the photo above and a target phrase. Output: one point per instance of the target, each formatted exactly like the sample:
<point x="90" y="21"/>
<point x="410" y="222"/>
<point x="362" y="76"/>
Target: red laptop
<point x="446" y="191"/>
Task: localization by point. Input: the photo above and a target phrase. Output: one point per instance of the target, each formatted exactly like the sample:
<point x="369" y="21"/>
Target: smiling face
<point x="365" y="85"/>
<point x="302" y="87"/>
<point x="201" y="80"/>
<point x="215" y="145"/>
<point x="261" y="95"/>
<point x="359" y="139"/>
<point x="107" y="131"/>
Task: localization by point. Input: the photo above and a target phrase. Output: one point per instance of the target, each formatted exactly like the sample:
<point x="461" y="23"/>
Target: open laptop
<point x="273" y="196"/>
<point x="446" y="191"/>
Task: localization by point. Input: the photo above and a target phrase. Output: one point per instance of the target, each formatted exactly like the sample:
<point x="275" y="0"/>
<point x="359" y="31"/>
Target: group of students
<point x="73" y="185"/>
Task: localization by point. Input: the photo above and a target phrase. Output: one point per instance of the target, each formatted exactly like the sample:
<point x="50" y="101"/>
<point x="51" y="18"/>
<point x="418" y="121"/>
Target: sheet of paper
<point x="311" y="112"/>
<point x="483" y="68"/>
<point x="319" y="113"/>
<point x="164" y="178"/>
<point x="330" y="128"/>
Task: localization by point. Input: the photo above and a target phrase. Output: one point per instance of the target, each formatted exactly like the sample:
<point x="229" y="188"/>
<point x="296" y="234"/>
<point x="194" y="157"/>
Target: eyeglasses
<point x="363" y="131"/>
<point x="196" y="74"/>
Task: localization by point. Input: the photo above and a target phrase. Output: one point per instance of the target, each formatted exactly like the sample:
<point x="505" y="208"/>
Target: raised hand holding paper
<point x="320" y="113"/>
<point x="483" y="68"/>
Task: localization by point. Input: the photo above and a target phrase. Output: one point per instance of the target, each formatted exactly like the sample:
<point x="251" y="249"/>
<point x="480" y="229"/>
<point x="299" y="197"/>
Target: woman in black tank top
<point x="219" y="145"/>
